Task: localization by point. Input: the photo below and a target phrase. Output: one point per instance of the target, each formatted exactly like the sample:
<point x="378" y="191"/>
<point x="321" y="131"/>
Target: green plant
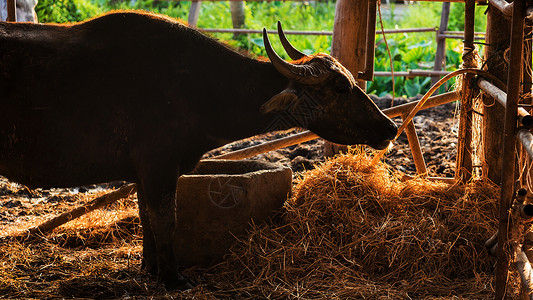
<point x="63" y="11"/>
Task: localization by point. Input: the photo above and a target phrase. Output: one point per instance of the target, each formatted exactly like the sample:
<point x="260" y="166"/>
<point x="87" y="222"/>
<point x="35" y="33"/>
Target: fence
<point x="441" y="34"/>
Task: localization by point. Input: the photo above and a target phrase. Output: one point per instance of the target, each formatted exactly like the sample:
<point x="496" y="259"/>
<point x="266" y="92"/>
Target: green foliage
<point x="409" y="51"/>
<point x="417" y="50"/>
<point x="63" y="11"/>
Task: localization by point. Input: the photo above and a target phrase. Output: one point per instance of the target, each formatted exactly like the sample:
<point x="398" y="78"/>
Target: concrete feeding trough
<point x="217" y="202"/>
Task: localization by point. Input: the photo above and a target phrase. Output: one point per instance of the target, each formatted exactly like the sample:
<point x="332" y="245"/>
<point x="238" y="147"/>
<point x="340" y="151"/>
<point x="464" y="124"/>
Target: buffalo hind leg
<point x="149" y="260"/>
<point x="160" y="204"/>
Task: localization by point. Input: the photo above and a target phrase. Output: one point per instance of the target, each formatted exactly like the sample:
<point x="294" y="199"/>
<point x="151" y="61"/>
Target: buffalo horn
<point x="293" y="53"/>
<point x="298" y="73"/>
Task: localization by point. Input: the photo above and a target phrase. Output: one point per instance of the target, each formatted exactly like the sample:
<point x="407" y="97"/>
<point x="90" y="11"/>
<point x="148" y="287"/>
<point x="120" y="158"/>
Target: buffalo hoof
<point x="178" y="282"/>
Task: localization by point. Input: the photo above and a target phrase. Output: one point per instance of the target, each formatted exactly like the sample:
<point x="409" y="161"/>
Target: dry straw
<point x="351" y="230"/>
<point x="354" y="230"/>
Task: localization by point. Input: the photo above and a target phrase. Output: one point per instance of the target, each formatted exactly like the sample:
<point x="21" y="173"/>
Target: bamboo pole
<point x="463" y="169"/>
<point x="298" y="138"/>
<point x="414" y="144"/>
<point x="505" y="244"/>
<point x="523" y="116"/>
<point x="526" y="273"/>
<point x="526" y="138"/>
<point x="63" y="218"/>
<point x="413" y="73"/>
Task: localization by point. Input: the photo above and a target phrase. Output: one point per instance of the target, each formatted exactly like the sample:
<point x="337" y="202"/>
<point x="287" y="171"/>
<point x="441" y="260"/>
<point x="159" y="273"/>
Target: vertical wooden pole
<point x="350" y="34"/>
<point x="414" y="144"/>
<point x="506" y="246"/>
<point x="368" y="73"/>
<point x="440" y="55"/>
<point x="464" y="144"/>
<point x="525" y="160"/>
<point x="194" y="13"/>
<point x="11" y="11"/>
<point x="237" y="16"/>
<point x="349" y="44"/>
<point x="497" y="39"/>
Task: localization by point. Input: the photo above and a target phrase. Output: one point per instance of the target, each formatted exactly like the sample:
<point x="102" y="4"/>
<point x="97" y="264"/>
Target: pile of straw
<point x="350" y="230"/>
<point x="354" y="230"/>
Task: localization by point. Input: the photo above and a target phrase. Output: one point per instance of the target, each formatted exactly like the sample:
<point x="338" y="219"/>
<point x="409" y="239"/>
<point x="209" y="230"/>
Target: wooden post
<point x="506" y="244"/>
<point x="237" y="16"/>
<point x="350" y="30"/>
<point x="464" y="145"/>
<point x="440" y="55"/>
<point x="11" y="11"/>
<point x="194" y="13"/>
<point x="350" y="35"/>
<point x="497" y="39"/>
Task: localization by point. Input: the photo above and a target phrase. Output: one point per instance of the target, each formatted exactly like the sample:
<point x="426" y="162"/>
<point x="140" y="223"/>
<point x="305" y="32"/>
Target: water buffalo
<point x="140" y="97"/>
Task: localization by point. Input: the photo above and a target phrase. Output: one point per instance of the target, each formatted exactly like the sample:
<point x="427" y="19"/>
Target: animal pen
<point x="503" y="82"/>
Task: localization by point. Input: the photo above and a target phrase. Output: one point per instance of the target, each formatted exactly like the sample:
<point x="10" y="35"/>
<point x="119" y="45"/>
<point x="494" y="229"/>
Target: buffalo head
<point x="323" y="97"/>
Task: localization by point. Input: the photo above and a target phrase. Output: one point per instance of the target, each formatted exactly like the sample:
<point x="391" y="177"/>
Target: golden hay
<point x="350" y="230"/>
<point x="354" y="230"/>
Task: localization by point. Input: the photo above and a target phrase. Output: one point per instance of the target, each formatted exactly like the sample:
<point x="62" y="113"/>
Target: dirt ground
<point x="21" y="208"/>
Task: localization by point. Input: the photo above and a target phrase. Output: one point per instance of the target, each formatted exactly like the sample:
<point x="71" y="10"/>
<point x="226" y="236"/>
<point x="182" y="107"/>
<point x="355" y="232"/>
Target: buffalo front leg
<point x="160" y="209"/>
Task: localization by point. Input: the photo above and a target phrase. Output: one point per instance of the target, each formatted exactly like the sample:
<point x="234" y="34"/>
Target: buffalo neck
<point x="248" y="84"/>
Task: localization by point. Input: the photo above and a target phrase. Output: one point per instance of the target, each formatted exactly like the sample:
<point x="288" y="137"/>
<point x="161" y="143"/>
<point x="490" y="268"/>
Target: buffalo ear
<point x="282" y="101"/>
